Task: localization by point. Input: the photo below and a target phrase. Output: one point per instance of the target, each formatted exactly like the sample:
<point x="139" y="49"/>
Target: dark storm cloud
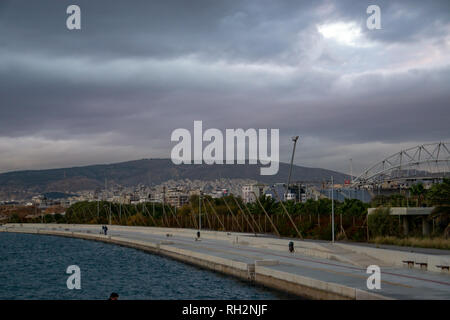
<point x="139" y="69"/>
<point x="236" y="29"/>
<point x="161" y="29"/>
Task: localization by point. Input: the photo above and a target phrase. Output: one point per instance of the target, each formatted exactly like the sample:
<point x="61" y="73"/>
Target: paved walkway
<point x="396" y="282"/>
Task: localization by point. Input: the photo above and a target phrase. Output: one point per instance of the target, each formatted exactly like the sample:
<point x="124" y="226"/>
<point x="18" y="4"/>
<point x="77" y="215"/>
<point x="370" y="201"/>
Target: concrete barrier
<point x="266" y="262"/>
<point x="309" y="287"/>
<point x="397" y="258"/>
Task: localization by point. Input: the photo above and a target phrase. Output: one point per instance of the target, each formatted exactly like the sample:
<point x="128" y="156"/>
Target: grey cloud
<point x="402" y="21"/>
<point x="139" y="69"/>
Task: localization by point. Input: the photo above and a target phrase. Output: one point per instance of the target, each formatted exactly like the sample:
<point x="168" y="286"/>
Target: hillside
<point x="145" y="171"/>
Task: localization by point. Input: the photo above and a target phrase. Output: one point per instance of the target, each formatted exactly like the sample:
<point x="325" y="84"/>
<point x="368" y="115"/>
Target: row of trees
<point x="311" y="219"/>
<point x="384" y="225"/>
<point x="418" y="196"/>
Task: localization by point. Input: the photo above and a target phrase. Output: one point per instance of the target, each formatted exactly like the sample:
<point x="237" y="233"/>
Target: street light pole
<point x="294" y="139"/>
<point x="332" y="209"/>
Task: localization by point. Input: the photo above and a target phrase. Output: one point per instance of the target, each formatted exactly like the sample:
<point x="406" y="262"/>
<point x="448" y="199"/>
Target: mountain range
<point x="149" y="172"/>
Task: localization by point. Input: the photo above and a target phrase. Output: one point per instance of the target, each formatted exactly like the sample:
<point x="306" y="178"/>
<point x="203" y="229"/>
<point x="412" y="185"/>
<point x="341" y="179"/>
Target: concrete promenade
<point x="317" y="269"/>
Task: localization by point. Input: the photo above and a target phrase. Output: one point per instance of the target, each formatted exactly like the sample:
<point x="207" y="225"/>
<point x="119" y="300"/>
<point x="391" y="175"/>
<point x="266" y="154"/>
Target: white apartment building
<point x="249" y="191"/>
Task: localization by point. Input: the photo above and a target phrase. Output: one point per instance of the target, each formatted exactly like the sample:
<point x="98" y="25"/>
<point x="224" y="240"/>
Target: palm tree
<point x="268" y="203"/>
<point x="418" y="191"/>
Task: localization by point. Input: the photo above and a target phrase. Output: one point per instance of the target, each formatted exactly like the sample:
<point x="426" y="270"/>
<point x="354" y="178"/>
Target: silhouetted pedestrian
<point x="291" y="246"/>
<point x="113" y="296"/>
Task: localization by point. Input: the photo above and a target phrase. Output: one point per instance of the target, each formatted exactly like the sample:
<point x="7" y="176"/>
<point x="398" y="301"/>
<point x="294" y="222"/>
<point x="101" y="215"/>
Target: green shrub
<point x="381" y="223"/>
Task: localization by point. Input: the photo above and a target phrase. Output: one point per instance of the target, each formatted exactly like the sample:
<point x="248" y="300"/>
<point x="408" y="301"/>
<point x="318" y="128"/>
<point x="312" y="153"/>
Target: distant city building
<point x="194" y="192"/>
<point x="42" y="202"/>
<point x="219" y="193"/>
<point x="297" y="192"/>
<point x="176" y="197"/>
<point x="291" y="196"/>
<point x="303" y="197"/>
<point x="38" y="199"/>
<point x="250" y="191"/>
<point x="132" y="198"/>
<point x="155" y="197"/>
<point x="11" y="202"/>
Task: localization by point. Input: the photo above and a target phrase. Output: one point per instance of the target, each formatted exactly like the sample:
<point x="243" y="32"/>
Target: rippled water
<point x="34" y="267"/>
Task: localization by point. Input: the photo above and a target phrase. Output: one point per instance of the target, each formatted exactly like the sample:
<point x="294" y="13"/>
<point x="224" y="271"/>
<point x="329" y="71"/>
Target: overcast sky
<point x="137" y="70"/>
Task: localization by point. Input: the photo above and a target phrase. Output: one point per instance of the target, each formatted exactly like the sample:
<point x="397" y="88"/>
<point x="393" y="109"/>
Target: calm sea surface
<point x="34" y="267"/>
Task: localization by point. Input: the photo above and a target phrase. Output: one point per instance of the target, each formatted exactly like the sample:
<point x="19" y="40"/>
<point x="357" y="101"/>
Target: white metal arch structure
<point x="424" y="162"/>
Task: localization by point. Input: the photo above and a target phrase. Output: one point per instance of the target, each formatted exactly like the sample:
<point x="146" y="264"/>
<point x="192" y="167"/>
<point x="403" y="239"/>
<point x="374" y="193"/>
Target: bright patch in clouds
<point x="347" y="33"/>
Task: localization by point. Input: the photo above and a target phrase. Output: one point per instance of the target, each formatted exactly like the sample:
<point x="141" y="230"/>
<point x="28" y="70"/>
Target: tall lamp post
<point x="332" y="210"/>
<point x="294" y="139"/>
